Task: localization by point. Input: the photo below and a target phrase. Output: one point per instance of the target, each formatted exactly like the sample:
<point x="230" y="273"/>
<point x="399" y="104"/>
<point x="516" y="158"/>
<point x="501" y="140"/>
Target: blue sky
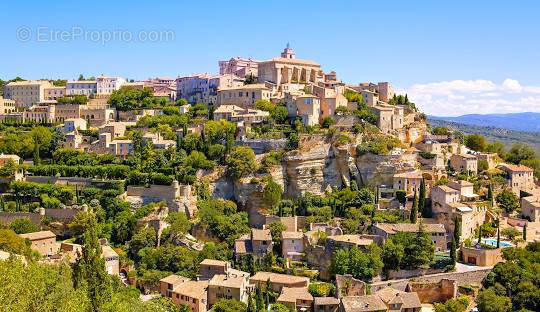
<point x="452" y="57"/>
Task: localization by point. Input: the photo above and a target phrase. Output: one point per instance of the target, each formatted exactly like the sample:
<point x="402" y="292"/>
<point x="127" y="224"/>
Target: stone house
<point x="518" y="177"/>
<point x="43" y="242"/>
<point x="258" y="243"/>
<point x="397" y="300"/>
<point x="464" y="163"/>
<point x="292" y="245"/>
<point x="530" y="208"/>
<point x="325" y="304"/>
<point x="296" y="299"/>
<point x="193" y="294"/>
<point x="367" y="303"/>
<point x="279" y="281"/>
<point x="228" y="286"/>
<point x="408" y="181"/>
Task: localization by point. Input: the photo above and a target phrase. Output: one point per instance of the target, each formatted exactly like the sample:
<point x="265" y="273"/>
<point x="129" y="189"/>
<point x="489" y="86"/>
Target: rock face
<point x="312" y="169"/>
<point x="379" y="169"/>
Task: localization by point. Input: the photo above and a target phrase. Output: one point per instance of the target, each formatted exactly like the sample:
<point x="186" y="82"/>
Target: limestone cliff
<point x="379" y="169"/>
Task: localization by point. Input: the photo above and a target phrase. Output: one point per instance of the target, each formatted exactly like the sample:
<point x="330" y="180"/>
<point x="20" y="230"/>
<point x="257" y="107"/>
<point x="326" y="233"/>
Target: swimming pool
<point x="493" y="242"/>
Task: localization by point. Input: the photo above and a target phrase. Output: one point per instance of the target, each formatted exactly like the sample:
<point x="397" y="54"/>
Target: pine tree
<point x="414" y="209"/>
<point x="89" y="270"/>
<point x="422" y="198"/>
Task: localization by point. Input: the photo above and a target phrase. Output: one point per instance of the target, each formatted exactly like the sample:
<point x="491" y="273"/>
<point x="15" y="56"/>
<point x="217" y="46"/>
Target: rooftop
<point x="192" y="289"/>
<point x="212" y="262"/>
<point x="222" y="280"/>
<point x="292" y="235"/>
<point x="257" y="234"/>
<point x="38" y="235"/>
<point x="411" y="228"/>
<point x="174" y="279"/>
<point x="278" y="278"/>
<point x="512" y="167"/>
<point x="408" y="299"/>
<point x="292" y="61"/>
<point x="356" y="239"/>
<point x="363" y="303"/>
<point x="293" y="294"/>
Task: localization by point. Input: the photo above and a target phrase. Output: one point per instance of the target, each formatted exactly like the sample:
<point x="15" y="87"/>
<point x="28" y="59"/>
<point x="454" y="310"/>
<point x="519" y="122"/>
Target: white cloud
<point x="511" y="85"/>
<point x="459" y="97"/>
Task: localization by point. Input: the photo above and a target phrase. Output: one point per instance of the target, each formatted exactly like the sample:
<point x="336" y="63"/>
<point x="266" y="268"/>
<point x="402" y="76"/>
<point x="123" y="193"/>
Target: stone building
<point x="518" y="177"/>
<point x="7" y="106"/>
<point x="258" y="243"/>
<point x="244" y="96"/>
<point x="389" y="117"/>
<point x="408" y="181"/>
<point x="292" y="246"/>
<point x="81" y="87"/>
<point x="203" y="88"/>
<point x="464" y="163"/>
<point x="54" y="93"/>
<point x="289" y="69"/>
<point x="239" y="66"/>
<point x="279" y="281"/>
<point x="43" y="242"/>
<point x="26" y="93"/>
<point x="296" y="299"/>
<point x="330" y="98"/>
<point x="238" y="114"/>
<point x="228" y="286"/>
<point x="530" y="208"/>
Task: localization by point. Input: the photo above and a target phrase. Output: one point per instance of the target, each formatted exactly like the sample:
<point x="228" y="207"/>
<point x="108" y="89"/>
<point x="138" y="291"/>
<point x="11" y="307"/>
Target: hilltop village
<point x="271" y="186"/>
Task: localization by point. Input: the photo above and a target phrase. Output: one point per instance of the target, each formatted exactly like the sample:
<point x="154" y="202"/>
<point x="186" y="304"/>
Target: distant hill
<point x="529" y="122"/>
<point x="508" y="137"/>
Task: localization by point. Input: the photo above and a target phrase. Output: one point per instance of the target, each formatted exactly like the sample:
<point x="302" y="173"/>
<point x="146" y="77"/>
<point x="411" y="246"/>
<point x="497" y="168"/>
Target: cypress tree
<point x="498" y="234"/>
<point x="479" y="234"/>
<point x="89" y="270"/>
<point x="490" y="193"/>
<point x="453" y="253"/>
<point x="414" y="209"/>
<point x="422" y="198"/>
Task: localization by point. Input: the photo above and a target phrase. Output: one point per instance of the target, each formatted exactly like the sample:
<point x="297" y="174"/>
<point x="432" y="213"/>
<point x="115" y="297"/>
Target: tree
<point x="453" y="305"/>
<point x="241" y="162"/>
<point x="142" y="239"/>
<point x="498" y="233"/>
<point x="422" y="199"/>
<point x="414" y="209"/>
<point x="327" y="122"/>
<point x="507" y="200"/>
<point x="23" y="225"/>
<point x="520" y="152"/>
<point x="359" y="264"/>
<point x="123" y="227"/>
<point x="89" y="269"/>
<point x="272" y="193"/>
<point x="490" y="193"/>
<point x="41" y="138"/>
<point x="229" y="305"/>
<point x="11" y="242"/>
<point x="489" y="301"/>
<point x="525" y="232"/>
<point x="476" y="142"/>
<point x="392" y="255"/>
<point x="278" y="307"/>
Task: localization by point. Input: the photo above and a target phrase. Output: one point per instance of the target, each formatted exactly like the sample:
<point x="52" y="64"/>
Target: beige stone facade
<point x="26" y="93"/>
<point x="408" y="181"/>
<point x="289" y="69"/>
<point x="244" y="96"/>
<point x="238" y="114"/>
<point x="464" y="163"/>
<point x="279" y="281"/>
<point x="518" y="177"/>
<point x="239" y="66"/>
<point x="43" y="242"/>
<point x="54" y="93"/>
<point x="481" y="257"/>
<point x="292" y="246"/>
<point x="437" y="232"/>
<point x="530" y="208"/>
<point x="389" y="117"/>
<point x="7" y="106"/>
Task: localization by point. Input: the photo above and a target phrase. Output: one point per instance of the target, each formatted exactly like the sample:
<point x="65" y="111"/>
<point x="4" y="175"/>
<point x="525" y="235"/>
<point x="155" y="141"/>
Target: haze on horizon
<point x="450" y="58"/>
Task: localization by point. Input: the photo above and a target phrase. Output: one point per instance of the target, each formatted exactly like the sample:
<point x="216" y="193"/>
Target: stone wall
<point x="60" y="180"/>
<point x="431" y="292"/>
<point x="261" y="146"/>
<point x="472" y="277"/>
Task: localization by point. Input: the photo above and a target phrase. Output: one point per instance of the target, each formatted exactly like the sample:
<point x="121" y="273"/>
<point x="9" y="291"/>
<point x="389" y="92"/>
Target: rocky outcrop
<point x="379" y="169"/>
<point x="313" y="168"/>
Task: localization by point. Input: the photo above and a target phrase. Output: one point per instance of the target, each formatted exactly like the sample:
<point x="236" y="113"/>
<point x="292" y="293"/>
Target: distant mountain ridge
<point x="528" y="121"/>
